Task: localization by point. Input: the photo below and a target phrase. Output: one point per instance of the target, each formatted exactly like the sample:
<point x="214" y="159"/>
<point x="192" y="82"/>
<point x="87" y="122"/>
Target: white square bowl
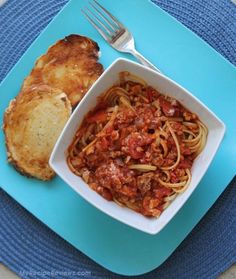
<point x="216" y="129"/>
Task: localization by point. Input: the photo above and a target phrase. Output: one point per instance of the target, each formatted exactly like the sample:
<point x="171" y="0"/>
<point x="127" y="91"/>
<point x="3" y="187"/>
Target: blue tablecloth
<point x="31" y="249"/>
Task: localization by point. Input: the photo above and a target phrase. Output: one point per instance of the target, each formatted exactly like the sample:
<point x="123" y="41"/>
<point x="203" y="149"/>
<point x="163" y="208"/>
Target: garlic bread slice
<point x="71" y="65"/>
<point x="32" y="123"/>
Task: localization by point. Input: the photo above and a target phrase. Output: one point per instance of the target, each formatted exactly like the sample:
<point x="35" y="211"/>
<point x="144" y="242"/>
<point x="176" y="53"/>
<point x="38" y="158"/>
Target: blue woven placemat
<point x="32" y="250"/>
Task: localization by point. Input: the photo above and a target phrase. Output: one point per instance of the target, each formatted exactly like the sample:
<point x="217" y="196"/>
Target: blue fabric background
<point x="31" y="249"/>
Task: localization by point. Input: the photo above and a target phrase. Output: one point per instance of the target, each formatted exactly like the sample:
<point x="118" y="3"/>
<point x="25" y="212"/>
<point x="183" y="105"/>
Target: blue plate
<point x="182" y="56"/>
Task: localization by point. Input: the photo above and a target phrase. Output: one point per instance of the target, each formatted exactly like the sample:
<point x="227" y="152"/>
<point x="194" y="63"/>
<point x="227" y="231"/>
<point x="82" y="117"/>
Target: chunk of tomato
<point x="134" y="143"/>
<point x="99" y="117"/>
<point x="185" y="164"/>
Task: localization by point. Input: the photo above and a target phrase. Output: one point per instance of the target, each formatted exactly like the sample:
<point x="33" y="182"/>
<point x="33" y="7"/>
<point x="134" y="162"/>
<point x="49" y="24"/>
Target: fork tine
<point x="101" y="23"/>
<point x="95" y="25"/>
<point x="115" y="20"/>
<point x="105" y="19"/>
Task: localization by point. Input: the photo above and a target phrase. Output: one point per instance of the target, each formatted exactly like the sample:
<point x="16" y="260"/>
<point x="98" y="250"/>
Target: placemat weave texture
<point x="31" y="249"/>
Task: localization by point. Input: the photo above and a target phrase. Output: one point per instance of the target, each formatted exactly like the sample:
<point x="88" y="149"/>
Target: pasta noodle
<point x="137" y="146"/>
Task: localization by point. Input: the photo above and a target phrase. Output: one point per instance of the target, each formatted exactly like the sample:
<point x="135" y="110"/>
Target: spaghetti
<point x="137" y="146"/>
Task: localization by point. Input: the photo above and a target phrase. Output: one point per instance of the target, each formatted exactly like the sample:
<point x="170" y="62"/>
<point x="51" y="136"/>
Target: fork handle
<point x="143" y="60"/>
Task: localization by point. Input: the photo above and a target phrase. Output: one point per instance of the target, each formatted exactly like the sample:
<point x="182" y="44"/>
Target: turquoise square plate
<point x="182" y="56"/>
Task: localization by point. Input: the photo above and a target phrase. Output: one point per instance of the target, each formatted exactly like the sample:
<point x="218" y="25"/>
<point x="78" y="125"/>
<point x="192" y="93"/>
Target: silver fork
<point x="113" y="31"/>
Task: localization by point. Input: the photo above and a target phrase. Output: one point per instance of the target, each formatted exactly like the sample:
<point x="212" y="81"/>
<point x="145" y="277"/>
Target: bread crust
<point x="71" y="65"/>
<point x="32" y="123"/>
